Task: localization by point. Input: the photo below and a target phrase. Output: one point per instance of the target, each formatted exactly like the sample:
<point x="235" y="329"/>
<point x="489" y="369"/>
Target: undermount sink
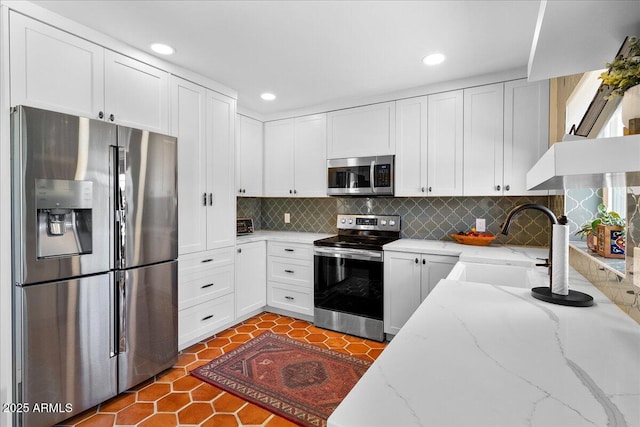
<point x="500" y="274"/>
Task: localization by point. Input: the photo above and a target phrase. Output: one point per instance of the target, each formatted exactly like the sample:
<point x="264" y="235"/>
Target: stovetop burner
<point x="368" y="232"/>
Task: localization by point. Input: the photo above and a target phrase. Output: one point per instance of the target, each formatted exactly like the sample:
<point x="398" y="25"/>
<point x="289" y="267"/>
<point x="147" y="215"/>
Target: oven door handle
<point x="360" y="254"/>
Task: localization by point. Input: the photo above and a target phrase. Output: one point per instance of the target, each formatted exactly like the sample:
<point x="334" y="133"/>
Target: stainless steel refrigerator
<point x="94" y="260"/>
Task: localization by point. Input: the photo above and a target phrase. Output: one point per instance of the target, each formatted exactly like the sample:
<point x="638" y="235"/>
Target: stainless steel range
<point x="348" y="275"/>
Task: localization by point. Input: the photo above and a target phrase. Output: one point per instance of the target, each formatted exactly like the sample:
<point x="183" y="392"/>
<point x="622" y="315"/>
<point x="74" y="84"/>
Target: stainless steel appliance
<point x="244" y="226"/>
<point x="348" y="275"/>
<point x="94" y="256"/>
<point x="360" y="176"/>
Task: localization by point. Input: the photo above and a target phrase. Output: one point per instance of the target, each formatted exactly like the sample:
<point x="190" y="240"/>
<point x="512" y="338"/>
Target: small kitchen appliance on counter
<point x="94" y="260"/>
<point x="244" y="226"/>
<point x="348" y="275"/>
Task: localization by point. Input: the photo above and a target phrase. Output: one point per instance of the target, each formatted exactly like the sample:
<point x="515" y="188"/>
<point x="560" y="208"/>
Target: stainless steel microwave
<point x="360" y="176"/>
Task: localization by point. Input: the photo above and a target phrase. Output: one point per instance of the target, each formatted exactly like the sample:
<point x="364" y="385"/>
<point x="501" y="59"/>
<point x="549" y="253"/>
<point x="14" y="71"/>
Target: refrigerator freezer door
<point x="148" y="324"/>
<point x="61" y="187"/>
<point x="68" y="337"/>
<point x="146" y="198"/>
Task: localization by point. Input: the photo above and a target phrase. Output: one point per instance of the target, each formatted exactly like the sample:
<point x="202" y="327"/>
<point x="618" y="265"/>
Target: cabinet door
<point x="221" y="211"/>
<point x="401" y="289"/>
<point x="445" y="144"/>
<point x="310" y="156"/>
<point x="249" y="157"/>
<point x="136" y="94"/>
<point x="483" y="140"/>
<point x="53" y="70"/>
<point x="188" y="124"/>
<point x="278" y="158"/>
<point x="251" y="277"/>
<point x="434" y="269"/>
<point x="526" y="132"/>
<point x="411" y="147"/>
<point x="362" y="131"/>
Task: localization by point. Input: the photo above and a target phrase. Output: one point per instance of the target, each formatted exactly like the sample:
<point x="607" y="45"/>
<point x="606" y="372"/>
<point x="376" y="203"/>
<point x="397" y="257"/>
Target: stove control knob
<point x="350" y="221"/>
<point x="342" y="221"/>
<point x="383" y="222"/>
<point x="392" y="222"/>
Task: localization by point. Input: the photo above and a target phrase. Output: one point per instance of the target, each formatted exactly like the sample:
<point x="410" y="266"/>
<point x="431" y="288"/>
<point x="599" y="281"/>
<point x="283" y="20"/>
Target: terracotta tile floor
<point x="175" y="398"/>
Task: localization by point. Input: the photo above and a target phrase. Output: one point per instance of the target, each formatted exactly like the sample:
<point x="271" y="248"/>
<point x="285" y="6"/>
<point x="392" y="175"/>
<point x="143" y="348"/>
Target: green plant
<point x="602" y="217"/>
<point x="624" y="73"/>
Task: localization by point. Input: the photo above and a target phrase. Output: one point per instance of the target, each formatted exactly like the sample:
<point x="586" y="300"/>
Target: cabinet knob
<point x="430" y="189"/>
<point x="111" y="117"/>
<point x="204" y="199"/>
<point x="424" y="262"/>
<point x="422" y="189"/>
<point x="498" y="188"/>
<point x="507" y="187"/>
<point x="101" y="115"/>
<point x="244" y="190"/>
<point x="416" y="260"/>
<point x="290" y="191"/>
<point x="210" y="199"/>
<point x="295" y="191"/>
<point x="239" y="250"/>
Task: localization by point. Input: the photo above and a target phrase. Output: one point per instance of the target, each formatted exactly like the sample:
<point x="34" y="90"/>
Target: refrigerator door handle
<point x="122" y="207"/>
<point x="122" y="338"/>
<point x="112" y="315"/>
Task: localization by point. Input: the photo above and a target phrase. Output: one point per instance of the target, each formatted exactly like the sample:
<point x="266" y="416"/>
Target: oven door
<point x="349" y="281"/>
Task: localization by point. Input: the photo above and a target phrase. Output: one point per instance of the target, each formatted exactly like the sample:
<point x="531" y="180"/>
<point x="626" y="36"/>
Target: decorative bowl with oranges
<point x="474" y="238"/>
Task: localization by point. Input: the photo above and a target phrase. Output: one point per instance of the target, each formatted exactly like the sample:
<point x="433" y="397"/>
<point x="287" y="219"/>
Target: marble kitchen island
<point x="482" y="355"/>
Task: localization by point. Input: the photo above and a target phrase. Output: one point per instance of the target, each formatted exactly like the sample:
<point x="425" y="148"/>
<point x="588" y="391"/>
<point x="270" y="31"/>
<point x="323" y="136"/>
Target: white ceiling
<point x="317" y="53"/>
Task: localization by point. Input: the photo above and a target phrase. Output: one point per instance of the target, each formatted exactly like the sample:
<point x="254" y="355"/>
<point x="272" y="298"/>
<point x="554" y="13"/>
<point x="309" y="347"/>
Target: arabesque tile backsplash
<point x="422" y="218"/>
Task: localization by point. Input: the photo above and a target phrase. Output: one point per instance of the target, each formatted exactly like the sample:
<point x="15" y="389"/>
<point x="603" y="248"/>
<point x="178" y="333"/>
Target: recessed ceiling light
<point x="268" y="96"/>
<point x="162" y="49"/>
<point x="433" y="59"/>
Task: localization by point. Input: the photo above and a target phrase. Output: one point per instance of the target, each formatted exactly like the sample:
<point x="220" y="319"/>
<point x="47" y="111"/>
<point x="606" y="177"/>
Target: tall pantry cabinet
<point x="204" y="122"/>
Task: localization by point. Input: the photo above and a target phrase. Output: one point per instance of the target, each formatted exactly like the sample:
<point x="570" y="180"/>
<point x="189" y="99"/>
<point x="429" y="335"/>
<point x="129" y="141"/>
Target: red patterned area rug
<point x="296" y="380"/>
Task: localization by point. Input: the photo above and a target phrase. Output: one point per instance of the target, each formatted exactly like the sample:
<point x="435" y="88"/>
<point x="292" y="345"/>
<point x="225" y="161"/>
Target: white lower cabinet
<point x="290" y="277"/>
<point x="408" y="279"/>
<point x="251" y="277"/>
<point x="206" y="290"/>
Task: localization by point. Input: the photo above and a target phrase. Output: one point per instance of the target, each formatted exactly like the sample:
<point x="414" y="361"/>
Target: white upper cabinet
<point x="221" y="216"/>
<point x="411" y="147"/>
<point x="310" y="156"/>
<point x="295" y="157"/>
<point x="204" y="122"/>
<point x="429" y="145"/>
<point x="362" y="131"/>
<point x="188" y="124"/>
<point x="278" y="158"/>
<point x="445" y="144"/>
<point x="136" y="94"/>
<point x="483" y="140"/>
<point x="54" y="70"/>
<point x="249" y="154"/>
<point x="526" y="132"/>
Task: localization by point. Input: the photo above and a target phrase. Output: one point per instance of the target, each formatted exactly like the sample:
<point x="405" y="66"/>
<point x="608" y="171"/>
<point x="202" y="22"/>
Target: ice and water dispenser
<point x="64" y="210"/>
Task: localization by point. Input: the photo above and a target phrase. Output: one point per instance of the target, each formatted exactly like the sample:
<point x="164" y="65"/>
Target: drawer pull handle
<point x="289" y="250"/>
<point x="207" y="317"/>
<point x="289" y="271"/>
<point x="289" y="298"/>
<point x="207" y="260"/>
<point x="207" y="286"/>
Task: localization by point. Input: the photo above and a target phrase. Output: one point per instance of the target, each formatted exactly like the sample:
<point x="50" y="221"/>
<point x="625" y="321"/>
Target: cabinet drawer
<point x="203" y="284"/>
<point x="206" y="318"/>
<point x="290" y="271"/>
<point x="206" y="259"/>
<point x="290" y="298"/>
<point x="291" y="250"/>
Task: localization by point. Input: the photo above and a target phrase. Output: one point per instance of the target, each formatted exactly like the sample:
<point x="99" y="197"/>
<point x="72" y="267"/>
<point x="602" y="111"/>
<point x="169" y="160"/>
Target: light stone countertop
<point x="282" y="236"/>
<point x="482" y="355"/>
